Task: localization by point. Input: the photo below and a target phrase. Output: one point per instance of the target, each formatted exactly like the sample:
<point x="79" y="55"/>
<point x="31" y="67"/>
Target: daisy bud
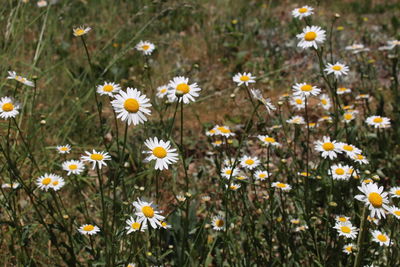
<point x="367" y="172"/>
<point x="337" y="15"/>
<point x="42" y="122"/>
<point x="332" y="204"/>
<point x="376" y="177"/>
<point x="141" y="188"/>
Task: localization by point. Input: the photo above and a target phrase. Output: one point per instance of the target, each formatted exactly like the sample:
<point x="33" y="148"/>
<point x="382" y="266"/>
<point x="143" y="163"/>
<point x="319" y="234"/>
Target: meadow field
<point x="199" y="133"/>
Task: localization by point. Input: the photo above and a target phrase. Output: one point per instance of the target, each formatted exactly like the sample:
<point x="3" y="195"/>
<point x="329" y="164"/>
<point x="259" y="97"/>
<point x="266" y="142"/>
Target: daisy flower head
<point x="162" y="91"/>
<point x="327" y="147"/>
<point x="342" y="219"/>
<point x="131" y="106"/>
<point x="373" y="220"/>
<point x="325" y="102"/>
<point x="390" y="45"/>
<point x="45" y="182"/>
<point x="147" y="213"/>
<point x="359" y="158"/>
<point x="302" y="12"/>
<point x="349" y="149"/>
<point x="244" y="78"/>
<point x="395" y="192"/>
<point x="57" y="183"/>
<point x="10" y="185"/>
<point x="108" y="88"/>
<point x="133" y="226"/>
<point x="211" y="132"/>
<point x="305" y="90"/>
<point x="340" y="172"/>
<point x="145" y="47"/>
<point x="96" y="158"/>
<point x="298" y="102"/>
<point x="89" y="229"/>
<point x="64" y="149"/>
<point x="241" y="177"/>
<point x="73" y="167"/>
<point x="81" y="30"/>
<point x="218" y="223"/>
<point x="394" y="211"/>
<point x="338" y="69"/>
<point x="380" y="238"/>
<point x="349" y="249"/>
<point x="233" y="186"/>
<point x="161" y="152"/>
<point x="295" y="221"/>
<point x="8" y="108"/>
<point x="374" y="198"/>
<point x="165" y="225"/>
<point x="249" y="162"/>
<point x="343" y="90"/>
<point x="311" y="36"/>
<point x="363" y="96"/>
<point x="301" y="228"/>
<point x="216" y="143"/>
<point x="265" y="101"/>
<point x="296" y="120"/>
<point x="224" y="131"/>
<point x="282" y="186"/>
<point x="267" y="140"/>
<point x="228" y="172"/>
<point x="261" y="175"/>
<point x="356" y="48"/>
<point x="346" y="229"/>
<point x="349" y="116"/>
<point x="12" y="75"/>
<point x="181" y="90"/>
<point x="378" y="122"/>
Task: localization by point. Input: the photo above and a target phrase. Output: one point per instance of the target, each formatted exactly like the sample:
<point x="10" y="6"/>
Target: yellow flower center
<point x="131" y="105"/>
<point x="8" y="107"/>
<point x="376" y="120"/>
<point x="219" y="223"/>
<point x="159" y="152"/>
<point x="96" y="156"/>
<point x="233" y="187"/>
<point x="342" y="219"/>
<point x="46" y="181"/>
<point x="55" y="182"/>
<point x="382" y="238"/>
<point x="262" y="175"/>
<point x="244" y="78"/>
<point x="298" y="101"/>
<point x="349" y="248"/>
<point x="397" y="212"/>
<point x="88" y="228"/>
<point x="348" y="116"/>
<point x="249" y="162"/>
<point x="228" y="172"/>
<point x="310" y="36"/>
<point x="79" y="31"/>
<point x="269" y="140"/>
<point x="397" y="192"/>
<point x="342" y="89"/>
<point x="64" y="148"/>
<point x="281" y="185"/>
<point x="145" y="47"/>
<point x="337" y="67"/>
<point x="224" y="130"/>
<point x="375" y="199"/>
<point x="135" y="225"/>
<point x="339" y="171"/>
<point x="183" y="88"/>
<point x="108" y="88"/>
<point x="306" y="88"/>
<point x="348" y="148"/>
<point x="73" y="167"/>
<point x="303" y="10"/>
<point x="359" y="156"/>
<point x="328" y="146"/>
<point x="218" y="142"/>
<point x="345" y="229"/>
<point x="324" y="101"/>
<point x="163" y="90"/>
<point x="148" y="211"/>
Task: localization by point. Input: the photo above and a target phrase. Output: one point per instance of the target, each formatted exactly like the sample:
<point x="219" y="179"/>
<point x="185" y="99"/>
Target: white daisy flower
<point x="302" y="12"/>
<point x="381" y="238"/>
<point x="390" y="45"/>
<point x="95" y="157"/>
<point x="374" y="198"/>
<point x="395" y="192"/>
<point x="346" y="229"/>
<point x="45" y="182"/>
<point x="12" y="185"/>
<point x="325" y="101"/>
<point x="356" y="48"/>
<point x="244" y="78"/>
<point x="211" y="132"/>
<point x="301" y="228"/>
<point x="89" y="229"/>
<point x="340" y="172"/>
<point x="161" y="152"/>
<point x="227" y="172"/>
<point x="373" y="220"/>
<point x="349" y="116"/>
<point x="8" y="108"/>
<point x="267" y="140"/>
<point x="338" y="69"/>
<point x="165" y="225"/>
<point x="298" y="102"/>
<point x="305" y="90"/>
<point x="378" y="122"/>
<point x="343" y="90"/>
<point x="42" y="3"/>
<point x="218" y="223"/>
<point x="359" y="158"/>
<point x="296" y="120"/>
<point x="311" y="36"/>
<point x="81" y="30"/>
<point x="249" y="162"/>
<point x="181" y="90"/>
<point x="133" y="226"/>
<point x="233" y="186"/>
<point x="241" y="177"/>
<point x="108" y="88"/>
<point x="64" y="149"/>
<point x="224" y="131"/>
<point x="162" y="91"/>
<point x="349" y="149"/>
<point x="145" y="47"/>
<point x="325" y="118"/>
<point x="261" y="175"/>
<point x="146" y="212"/>
<point x="12" y="75"/>
<point x="131" y="106"/>
<point x="73" y="167"/>
<point x="265" y="101"/>
<point x="57" y="183"/>
<point x="216" y="143"/>
<point x="282" y="186"/>
<point x="341" y="218"/>
<point x="394" y="211"/>
<point x="327" y="147"/>
<point x="349" y="249"/>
